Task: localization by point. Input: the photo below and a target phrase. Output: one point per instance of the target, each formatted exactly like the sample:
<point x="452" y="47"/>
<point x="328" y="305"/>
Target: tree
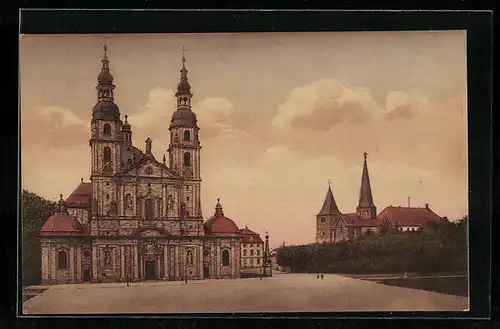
<point x="34" y="211"/>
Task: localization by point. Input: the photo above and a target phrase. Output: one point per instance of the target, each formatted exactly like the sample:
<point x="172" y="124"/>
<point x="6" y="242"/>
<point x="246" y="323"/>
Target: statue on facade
<point x="128" y="202"/>
<point x="107" y="257"/>
<point x="190" y="257"/>
<point x="149" y="142"/>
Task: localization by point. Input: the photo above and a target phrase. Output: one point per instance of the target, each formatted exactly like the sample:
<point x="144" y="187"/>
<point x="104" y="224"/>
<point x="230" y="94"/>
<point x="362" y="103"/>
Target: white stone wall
<point x="252" y="255"/>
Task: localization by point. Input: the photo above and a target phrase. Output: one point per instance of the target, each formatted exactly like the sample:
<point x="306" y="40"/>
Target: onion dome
<point x="105" y="109"/>
<point x="219" y="224"/>
<point x="183" y="87"/>
<point x="61" y="223"/>
<point x="184" y="117"/>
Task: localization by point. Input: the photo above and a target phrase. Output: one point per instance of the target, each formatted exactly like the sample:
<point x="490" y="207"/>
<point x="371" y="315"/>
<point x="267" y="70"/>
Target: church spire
<point x="329" y="205"/>
<point x="105" y="108"/>
<point x="183" y="93"/>
<point x="366" y="207"/>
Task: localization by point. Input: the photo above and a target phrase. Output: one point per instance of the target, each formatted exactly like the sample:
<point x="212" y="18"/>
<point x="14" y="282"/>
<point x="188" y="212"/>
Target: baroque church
<point x="139" y="218"/>
<point x="334" y="226"/>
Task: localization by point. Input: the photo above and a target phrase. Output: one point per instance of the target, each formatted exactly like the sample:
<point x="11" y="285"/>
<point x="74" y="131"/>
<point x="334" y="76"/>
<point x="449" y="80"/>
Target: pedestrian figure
<point x="317" y="276"/>
<point x="321" y="276"/>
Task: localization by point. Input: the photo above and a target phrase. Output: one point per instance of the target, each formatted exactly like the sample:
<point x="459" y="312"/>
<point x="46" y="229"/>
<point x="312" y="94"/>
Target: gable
<point x="149" y="167"/>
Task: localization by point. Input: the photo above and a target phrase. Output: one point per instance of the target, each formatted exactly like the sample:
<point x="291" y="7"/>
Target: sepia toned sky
<point x="280" y="114"/>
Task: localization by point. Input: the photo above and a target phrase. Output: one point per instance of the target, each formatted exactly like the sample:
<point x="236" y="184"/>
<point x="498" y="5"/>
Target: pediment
<point x="152" y="168"/>
<point x="151" y="232"/>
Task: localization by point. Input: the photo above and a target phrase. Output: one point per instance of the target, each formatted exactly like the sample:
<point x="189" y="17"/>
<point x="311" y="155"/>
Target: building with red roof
<point x="138" y="218"/>
<point x="252" y="249"/>
<point x="333" y="226"/>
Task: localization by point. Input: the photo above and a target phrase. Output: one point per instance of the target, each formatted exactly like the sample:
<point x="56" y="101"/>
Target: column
<point x="95" y="262"/>
<point x="176" y="260"/>
<point x="164" y="202"/>
<point x="135" y="262"/>
<point x="200" y="261"/>
<point x="165" y="262"/>
<point x="122" y="263"/>
<point x="71" y="264"/>
<point x="53" y="263"/>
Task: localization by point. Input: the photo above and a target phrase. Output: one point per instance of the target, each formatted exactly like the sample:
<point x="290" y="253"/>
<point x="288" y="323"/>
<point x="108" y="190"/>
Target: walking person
<point x="321" y="276"/>
<point x="317" y="276"/>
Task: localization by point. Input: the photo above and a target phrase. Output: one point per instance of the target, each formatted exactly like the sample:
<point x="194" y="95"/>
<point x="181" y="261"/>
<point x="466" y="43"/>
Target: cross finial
<point x="218" y="200"/>
<point x="365" y="155"/>
<point x="329" y="182"/>
<point x="81" y="179"/>
<point x="126" y="117"/>
<point x="183" y="54"/>
<point x="105" y="48"/>
<point x="60" y="195"/>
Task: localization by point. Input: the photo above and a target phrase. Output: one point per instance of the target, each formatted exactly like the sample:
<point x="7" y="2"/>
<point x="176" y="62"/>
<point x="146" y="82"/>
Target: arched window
<point x="106" y="130"/>
<point x="62" y="260"/>
<point x="107" y="154"/>
<point x="225" y="257"/>
<point x="187" y="159"/>
<point x="187" y="135"/>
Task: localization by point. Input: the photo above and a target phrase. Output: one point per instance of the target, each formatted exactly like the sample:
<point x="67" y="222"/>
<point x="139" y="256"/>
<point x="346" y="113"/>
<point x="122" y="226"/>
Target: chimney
<point x="426" y="206"/>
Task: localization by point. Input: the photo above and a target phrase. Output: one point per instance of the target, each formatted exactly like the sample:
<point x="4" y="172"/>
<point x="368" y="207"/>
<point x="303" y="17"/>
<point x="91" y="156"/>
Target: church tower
<point x="366" y="208"/>
<point x="327" y="218"/>
<point x="104" y="143"/>
<point x="184" y="148"/>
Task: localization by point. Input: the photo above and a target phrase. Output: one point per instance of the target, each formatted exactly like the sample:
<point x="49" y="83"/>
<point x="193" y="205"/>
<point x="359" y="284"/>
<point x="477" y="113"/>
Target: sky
<point x="280" y="114"/>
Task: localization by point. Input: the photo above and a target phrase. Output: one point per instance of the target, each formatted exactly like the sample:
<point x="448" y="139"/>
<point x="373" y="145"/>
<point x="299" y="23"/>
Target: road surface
<point x="280" y="293"/>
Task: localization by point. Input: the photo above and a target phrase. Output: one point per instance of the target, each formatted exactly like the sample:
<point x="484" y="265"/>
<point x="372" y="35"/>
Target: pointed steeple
<point x="105" y="108"/>
<point x="184" y="88"/>
<point x="329" y="206"/>
<point x="366" y="207"/>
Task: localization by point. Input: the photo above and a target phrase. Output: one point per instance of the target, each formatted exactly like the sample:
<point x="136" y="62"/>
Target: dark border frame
<point x="478" y="24"/>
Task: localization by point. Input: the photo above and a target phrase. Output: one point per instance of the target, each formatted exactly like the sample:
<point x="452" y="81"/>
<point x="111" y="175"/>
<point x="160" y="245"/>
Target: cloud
<point x="61" y="128"/>
<point x="322" y="105"/>
<point x="157" y="110"/>
<point x="400" y="105"/>
<point x="215" y="116"/>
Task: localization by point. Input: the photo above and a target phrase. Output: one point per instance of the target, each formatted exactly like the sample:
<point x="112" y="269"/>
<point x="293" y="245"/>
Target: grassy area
<point x="446" y="285"/>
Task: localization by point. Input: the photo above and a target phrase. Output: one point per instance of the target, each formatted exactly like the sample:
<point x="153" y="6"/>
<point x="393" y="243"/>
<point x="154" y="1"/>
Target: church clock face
<point x="148" y="171"/>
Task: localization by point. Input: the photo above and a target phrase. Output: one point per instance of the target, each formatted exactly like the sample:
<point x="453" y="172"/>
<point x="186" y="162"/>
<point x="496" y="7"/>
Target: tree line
<point x="437" y="247"/>
<point x="34" y="212"/>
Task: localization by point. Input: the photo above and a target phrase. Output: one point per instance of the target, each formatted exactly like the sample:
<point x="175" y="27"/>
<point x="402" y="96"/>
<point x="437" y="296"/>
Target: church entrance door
<point x="150" y="270"/>
<point x="86" y="275"/>
<point x="206" y="272"/>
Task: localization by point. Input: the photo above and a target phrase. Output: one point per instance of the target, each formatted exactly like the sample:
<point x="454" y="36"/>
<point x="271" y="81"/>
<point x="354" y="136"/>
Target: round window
<point x="206" y="252"/>
<point x="86" y="253"/>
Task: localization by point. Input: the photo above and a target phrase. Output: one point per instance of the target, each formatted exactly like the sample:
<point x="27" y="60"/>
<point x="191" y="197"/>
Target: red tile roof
<point x="81" y="196"/>
<point x="221" y="225"/>
<point x="353" y="220"/>
<point x="62" y="224"/>
<point x="405" y="216"/>
<point x="249" y="236"/>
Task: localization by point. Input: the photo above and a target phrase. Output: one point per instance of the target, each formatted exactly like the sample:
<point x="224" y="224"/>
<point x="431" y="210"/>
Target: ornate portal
<point x="150" y="250"/>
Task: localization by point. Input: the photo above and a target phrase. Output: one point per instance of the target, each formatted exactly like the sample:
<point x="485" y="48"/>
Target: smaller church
<point x="334" y="226"/>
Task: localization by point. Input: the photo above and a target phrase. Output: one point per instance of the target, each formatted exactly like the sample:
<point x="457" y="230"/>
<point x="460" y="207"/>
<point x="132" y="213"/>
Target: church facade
<point x="139" y="218"/>
<point x="334" y="226"/>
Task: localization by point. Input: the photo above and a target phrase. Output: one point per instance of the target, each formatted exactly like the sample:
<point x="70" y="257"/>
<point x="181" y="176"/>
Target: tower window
<point x="107" y="196"/>
<point x="129" y="161"/>
<point x="225" y="257"/>
<point x="106" y="130"/>
<point x="149" y="209"/>
<point x="62" y="260"/>
<point x="107" y="154"/>
<point x="187" y="159"/>
<point x="187" y="135"/>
